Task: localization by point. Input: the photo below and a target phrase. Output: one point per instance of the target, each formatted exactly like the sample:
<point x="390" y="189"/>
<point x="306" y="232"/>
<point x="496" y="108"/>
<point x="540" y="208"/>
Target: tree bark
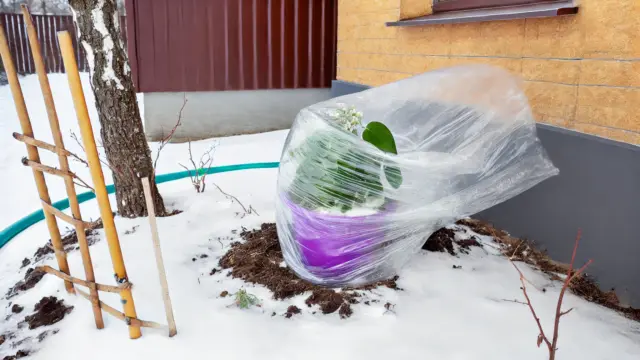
<point x="123" y="138"/>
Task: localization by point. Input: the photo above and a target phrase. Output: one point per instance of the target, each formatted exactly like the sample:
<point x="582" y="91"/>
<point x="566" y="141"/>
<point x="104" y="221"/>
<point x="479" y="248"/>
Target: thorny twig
<point x="552" y="344"/>
<point x="513" y="257"/>
<point x="83" y="184"/>
<point x="169" y="136"/>
<point x="85" y="162"/>
<point x="199" y="173"/>
<point x="247" y="211"/>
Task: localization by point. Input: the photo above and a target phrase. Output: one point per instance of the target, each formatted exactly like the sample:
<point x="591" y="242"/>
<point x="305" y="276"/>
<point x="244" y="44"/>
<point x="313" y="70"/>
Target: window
<point x="453" y="5"/>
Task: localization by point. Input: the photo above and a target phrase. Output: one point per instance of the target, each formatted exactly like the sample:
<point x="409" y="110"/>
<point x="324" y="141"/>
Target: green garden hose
<point x="19" y="226"/>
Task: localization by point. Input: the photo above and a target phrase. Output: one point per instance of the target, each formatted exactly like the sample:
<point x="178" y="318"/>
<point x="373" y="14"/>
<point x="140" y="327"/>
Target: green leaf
<point x="394" y="176"/>
<point x="379" y="135"/>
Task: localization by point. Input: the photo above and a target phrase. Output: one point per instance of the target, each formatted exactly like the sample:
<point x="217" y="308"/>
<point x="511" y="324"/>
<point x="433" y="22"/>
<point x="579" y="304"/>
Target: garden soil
<point x="257" y="260"/>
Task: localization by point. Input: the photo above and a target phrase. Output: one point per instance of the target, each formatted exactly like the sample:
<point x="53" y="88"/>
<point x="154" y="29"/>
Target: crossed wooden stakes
<point x="51" y="213"/>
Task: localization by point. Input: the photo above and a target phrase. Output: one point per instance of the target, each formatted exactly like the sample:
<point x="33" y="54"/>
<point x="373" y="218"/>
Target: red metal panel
<point x="50" y="43"/>
<point x="288" y="40"/>
<point x="47" y="27"/>
<point x="273" y="46"/>
<point x="205" y="45"/>
<point x="28" y="62"/>
<point x="54" y="25"/>
<point x="261" y="30"/>
<point x="15" y="27"/>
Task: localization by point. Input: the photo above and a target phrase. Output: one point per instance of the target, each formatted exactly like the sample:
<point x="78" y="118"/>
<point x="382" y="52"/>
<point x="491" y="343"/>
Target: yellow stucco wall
<point x="581" y="72"/>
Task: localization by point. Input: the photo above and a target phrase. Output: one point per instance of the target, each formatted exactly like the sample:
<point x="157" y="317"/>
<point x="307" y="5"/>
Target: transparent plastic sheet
<point x="349" y="213"/>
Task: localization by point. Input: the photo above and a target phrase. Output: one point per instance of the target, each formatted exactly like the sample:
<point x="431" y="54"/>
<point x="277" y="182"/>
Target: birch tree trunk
<point x="125" y="144"/>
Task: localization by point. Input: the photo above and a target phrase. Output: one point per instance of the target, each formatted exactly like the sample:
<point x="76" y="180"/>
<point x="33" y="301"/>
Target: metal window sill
<point x="550" y="9"/>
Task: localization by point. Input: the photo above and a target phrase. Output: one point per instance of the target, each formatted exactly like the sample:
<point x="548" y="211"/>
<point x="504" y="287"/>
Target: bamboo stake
<point x="32" y="151"/>
<point x="71" y="67"/>
<point x="159" y="261"/>
<point x="62" y="216"/>
<point x="41" y="144"/>
<point x="47" y="169"/>
<point x="54" y="125"/>
<point x="121" y="316"/>
<point x="88" y="284"/>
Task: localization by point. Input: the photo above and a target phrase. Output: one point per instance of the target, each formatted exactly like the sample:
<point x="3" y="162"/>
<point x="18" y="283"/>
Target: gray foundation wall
<point x="223" y="113"/>
<point x="597" y="191"/>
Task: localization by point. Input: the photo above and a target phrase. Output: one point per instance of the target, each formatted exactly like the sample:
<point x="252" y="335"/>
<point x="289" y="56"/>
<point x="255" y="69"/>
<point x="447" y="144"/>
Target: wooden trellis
<point x="51" y="213"/>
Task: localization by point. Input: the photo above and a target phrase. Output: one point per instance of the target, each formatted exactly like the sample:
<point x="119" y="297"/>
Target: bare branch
<point x="195" y="167"/>
<point x="85" y="162"/>
<point x="188" y="171"/>
<point x="566" y="312"/>
<point x="570" y="276"/>
<point x="206" y="160"/>
<point x="233" y="198"/>
<point x="169" y="136"/>
<point x="199" y="171"/>
<point x="252" y="210"/>
<point x="552" y="344"/>
<point x="83" y="184"/>
<point x="542" y="335"/>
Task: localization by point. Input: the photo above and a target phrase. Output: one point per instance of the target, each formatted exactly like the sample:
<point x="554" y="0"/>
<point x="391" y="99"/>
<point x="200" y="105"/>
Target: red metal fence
<point x="206" y="45"/>
<point x="46" y="26"/>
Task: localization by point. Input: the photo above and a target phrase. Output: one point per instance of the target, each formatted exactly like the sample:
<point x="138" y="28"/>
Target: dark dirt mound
<point x="31" y="279"/>
<point x="292" y="310"/>
<point x="48" y="311"/>
<point x="444" y="240"/>
<point x="441" y="241"/>
<point x="328" y="300"/>
<point x="523" y="250"/>
<point x="3" y="338"/>
<point x="16" y="309"/>
<point x="345" y="311"/>
<point x="19" y="355"/>
<point x="70" y="241"/>
<point x="258" y="261"/>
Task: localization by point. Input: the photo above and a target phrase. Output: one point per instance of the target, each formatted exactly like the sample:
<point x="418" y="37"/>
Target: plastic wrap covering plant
<point x="364" y="179"/>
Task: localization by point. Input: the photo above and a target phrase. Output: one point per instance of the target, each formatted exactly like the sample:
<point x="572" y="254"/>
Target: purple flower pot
<point x="334" y="245"/>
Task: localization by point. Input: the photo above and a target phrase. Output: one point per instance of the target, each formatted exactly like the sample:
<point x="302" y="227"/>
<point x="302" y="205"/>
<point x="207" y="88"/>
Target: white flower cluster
<point x="348" y="118"/>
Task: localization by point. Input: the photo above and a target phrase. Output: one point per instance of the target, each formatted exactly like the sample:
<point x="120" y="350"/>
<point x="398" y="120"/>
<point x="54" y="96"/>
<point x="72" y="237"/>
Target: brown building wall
<point x="580" y="72"/>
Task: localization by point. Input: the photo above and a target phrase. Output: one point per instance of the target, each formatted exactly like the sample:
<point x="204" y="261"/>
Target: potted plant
<point x="337" y="197"/>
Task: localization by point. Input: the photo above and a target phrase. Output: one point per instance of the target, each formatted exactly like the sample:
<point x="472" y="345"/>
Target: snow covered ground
<point x="443" y="313"/>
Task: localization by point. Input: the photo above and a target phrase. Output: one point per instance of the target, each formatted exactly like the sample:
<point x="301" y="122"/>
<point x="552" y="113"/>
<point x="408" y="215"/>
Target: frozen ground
<point x="443" y="313"/>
